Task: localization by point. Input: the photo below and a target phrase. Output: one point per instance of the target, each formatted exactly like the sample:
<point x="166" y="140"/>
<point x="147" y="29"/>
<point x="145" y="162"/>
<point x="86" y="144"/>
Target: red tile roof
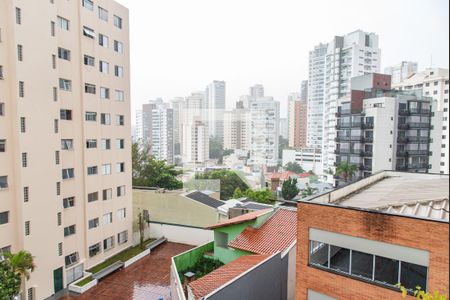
<point x="275" y="235"/>
<point x="286" y="175"/>
<point x="241" y="219"/>
<point x="214" y="280"/>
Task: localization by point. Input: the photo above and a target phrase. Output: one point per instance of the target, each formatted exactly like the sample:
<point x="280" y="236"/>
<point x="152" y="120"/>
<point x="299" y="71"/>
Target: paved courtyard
<point x="147" y="279"/>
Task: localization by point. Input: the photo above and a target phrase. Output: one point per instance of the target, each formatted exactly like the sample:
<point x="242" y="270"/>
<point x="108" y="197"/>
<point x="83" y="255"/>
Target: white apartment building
<point x="177" y="105"/>
<point x="65" y="158"/>
<point x="310" y="159"/>
<point x="215" y="104"/>
<point x="138" y="127"/>
<point x="162" y="146"/>
<point x="265" y="132"/>
<point x="348" y="56"/>
<point x="257" y="91"/>
<point x="402" y="71"/>
<point x="434" y="83"/>
<point x="237" y="129"/>
<point x="315" y="95"/>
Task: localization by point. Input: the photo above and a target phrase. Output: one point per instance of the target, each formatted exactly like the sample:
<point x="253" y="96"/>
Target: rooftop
<point x="241" y="219"/>
<point x="413" y="194"/>
<point x="225" y="274"/>
<point x="205" y="199"/>
<point x="275" y="235"/>
<point x="288" y="174"/>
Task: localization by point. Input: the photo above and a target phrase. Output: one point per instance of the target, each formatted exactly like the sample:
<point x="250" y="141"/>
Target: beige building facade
<point x="65" y="161"/>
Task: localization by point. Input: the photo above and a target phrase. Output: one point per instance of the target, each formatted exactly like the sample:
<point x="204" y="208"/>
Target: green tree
<point x="294" y="167"/>
<point x="10" y="281"/>
<point x="289" y="189"/>
<point x="308" y="191"/>
<point x="149" y="172"/>
<point x="346" y="171"/>
<point x="21" y="262"/>
<point x="262" y="196"/>
<point x="229" y="181"/>
<point x="421" y="294"/>
<point x="216" y="150"/>
<point x="283" y="144"/>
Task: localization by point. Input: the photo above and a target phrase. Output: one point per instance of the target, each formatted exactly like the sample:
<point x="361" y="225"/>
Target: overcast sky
<point x="179" y="46"/>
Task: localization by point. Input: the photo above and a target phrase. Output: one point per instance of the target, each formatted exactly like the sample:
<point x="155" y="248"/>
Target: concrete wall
<point x="179" y="234"/>
<point x="266" y="281"/>
<point x="398" y="230"/>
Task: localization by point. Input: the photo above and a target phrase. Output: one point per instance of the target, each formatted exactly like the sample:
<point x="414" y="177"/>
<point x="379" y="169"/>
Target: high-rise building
<point x="257" y="91"/>
<point x="237" y="125"/>
<point x="178" y="109"/>
<point x="316" y="94"/>
<point x="65" y="155"/>
<point x="401" y="71"/>
<point x="215" y="101"/>
<point x="138" y="127"/>
<point x="382" y="129"/>
<point x="265" y="132"/>
<point x="348" y="56"/>
<point x="298" y="114"/>
<point x="304" y="90"/>
<point x="284" y="128"/>
<point x="434" y="83"/>
<point x="162" y="147"/>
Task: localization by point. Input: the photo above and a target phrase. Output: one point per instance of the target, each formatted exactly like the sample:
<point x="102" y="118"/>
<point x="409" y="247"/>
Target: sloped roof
<point x="214" y="280"/>
<point x="275" y="235"/>
<point x="433" y="209"/>
<point x="288" y="174"/>
<point x="241" y="219"/>
<point x="205" y="199"/>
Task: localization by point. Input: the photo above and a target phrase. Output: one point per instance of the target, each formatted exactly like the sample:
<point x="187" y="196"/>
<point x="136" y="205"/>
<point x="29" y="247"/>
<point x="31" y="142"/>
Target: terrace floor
<point x="148" y="279"/>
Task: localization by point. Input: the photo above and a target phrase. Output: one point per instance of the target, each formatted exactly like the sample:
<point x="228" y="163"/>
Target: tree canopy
<point x="262" y="196"/>
<point x="216" y="150"/>
<point x="294" y="167"/>
<point x="149" y="172"/>
<point x="289" y="189"/>
<point x="229" y="181"/>
<point x="12" y="269"/>
<point x="346" y="171"/>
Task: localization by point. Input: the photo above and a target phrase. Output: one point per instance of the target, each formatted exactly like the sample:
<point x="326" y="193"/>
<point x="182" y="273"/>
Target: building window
<point x="63" y="23"/>
<point x="60" y="249"/>
<point x="88" y="4"/>
<point x="67" y="144"/>
<point x="63" y="53"/>
<point x="106" y="169"/>
<point x="118" y="22"/>
<point x="3" y="182"/>
<point x="18" y="16"/>
<point x="102" y="14"/>
<point x="106" y="144"/>
<point x="26" y="194"/>
<point x="59" y="219"/>
<point x="94" y="249"/>
<point x="56" y="126"/>
<point x="107" y="218"/>
<point x="27" y="228"/>
<point x="92" y="197"/>
<point x="105" y="119"/>
<point x="118" y="46"/>
<point x="89" y="88"/>
<point x="68" y="173"/>
<point x="65" y="84"/>
<point x="88" y="32"/>
<point x="118" y="71"/>
<point x="103" y="40"/>
<point x="1" y="73"/>
<point x="2" y="145"/>
<point x="21" y="89"/>
<point x="19" y="52"/>
<point x="91" y="116"/>
<point x="92" y="170"/>
<point x="22" y="125"/>
<point x="57" y="157"/>
<point x="108" y="243"/>
<point x="121" y="213"/>
<point x="120" y="96"/>
<point x="94" y="223"/>
<point x="107" y="194"/>
<point x="69" y="230"/>
<point x="121" y="191"/>
<point x="104" y="93"/>
<point x="30" y="293"/>
<point x="89" y="60"/>
<point x="24" y="160"/>
<point x="58" y="189"/>
<point x="120" y="167"/>
<point x="91" y="144"/>
<point x="4" y="217"/>
<point x="104" y="67"/>
<point x="55" y="94"/>
<point x="52" y="28"/>
<point x="71" y="259"/>
<point x="120" y="120"/>
<point x="120" y="144"/>
<point x="2" y="109"/>
<point x="122" y="237"/>
<point x="69" y="202"/>
<point x="53" y="61"/>
<point x="65" y="114"/>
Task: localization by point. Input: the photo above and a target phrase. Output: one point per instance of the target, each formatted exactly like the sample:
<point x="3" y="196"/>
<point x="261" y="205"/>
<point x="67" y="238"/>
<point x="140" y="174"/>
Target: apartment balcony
<point x="367" y="126"/>
<point x="418" y="139"/>
<point x="368" y="153"/>
<point x="403" y="126"/>
<point x="367" y="168"/>
<point x="355" y="138"/>
<point x="422" y="112"/>
<point x="403" y="112"/>
<point x="343" y="125"/>
<point x="342" y="151"/>
<point x="402" y="153"/>
<point x="420" y="166"/>
<point x="418" y="153"/>
<point x="402" y="140"/>
<point x="367" y="140"/>
<point x="419" y="125"/>
<point x="401" y="167"/>
<point x="343" y="112"/>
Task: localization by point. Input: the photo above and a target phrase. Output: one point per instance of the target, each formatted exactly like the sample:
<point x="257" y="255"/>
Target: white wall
<point x="181" y="234"/>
